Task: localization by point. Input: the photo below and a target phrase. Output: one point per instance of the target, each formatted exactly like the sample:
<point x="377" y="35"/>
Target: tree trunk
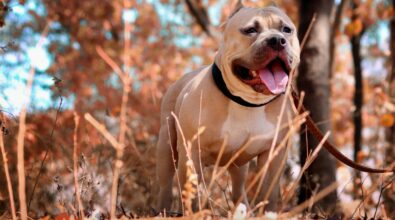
<point x="358" y="97"/>
<point x="199" y="12"/>
<point x="389" y="194"/>
<point x="335" y="28"/>
<point x="314" y="72"/>
<point x="358" y="94"/>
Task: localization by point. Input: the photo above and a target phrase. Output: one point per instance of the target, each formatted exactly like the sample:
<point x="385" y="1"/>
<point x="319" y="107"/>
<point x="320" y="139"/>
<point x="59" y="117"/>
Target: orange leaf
<point x="358" y="26"/>
<point x="387" y="120"/>
<point x="349" y="30"/>
<point x="361" y="156"/>
<point x="354" y="28"/>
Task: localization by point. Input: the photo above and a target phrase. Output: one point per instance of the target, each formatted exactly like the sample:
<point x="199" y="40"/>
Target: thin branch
<point x="310" y="159"/>
<point x="21" y="135"/>
<point x="382" y="188"/>
<point x="110" y="61"/>
<point x="312" y="200"/>
<point x="102" y="129"/>
<point x="7" y="175"/>
<point x="200" y="14"/>
<point x="118" y="163"/>
<point x="306" y="36"/>
<point x="75" y="167"/>
<point x="122" y="118"/>
<point x="46" y="154"/>
<point x="174" y="165"/>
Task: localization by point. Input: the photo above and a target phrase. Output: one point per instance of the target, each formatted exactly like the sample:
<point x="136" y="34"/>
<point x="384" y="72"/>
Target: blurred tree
<point x="359" y="29"/>
<point x="357" y="23"/>
<point x="4" y="8"/>
<point x="313" y="78"/>
<point x="199" y="12"/>
<point x="336" y="30"/>
<point x="389" y="195"/>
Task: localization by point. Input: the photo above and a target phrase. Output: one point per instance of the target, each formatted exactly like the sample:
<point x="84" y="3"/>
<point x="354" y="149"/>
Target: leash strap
<point x="312" y="127"/>
<point x="221" y="85"/>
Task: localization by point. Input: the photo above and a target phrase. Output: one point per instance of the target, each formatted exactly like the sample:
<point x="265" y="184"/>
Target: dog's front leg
<point x="239" y="175"/>
<point x="272" y="178"/>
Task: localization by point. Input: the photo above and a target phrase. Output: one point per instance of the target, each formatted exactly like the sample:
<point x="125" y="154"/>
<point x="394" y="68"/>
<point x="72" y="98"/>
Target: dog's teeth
<point x="254" y="73"/>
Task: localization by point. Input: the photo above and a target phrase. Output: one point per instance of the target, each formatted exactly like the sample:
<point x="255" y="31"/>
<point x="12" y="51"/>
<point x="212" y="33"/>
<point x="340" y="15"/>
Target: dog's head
<point x="258" y="51"/>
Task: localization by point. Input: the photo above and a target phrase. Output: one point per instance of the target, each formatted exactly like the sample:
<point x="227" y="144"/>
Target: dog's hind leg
<point x="166" y="156"/>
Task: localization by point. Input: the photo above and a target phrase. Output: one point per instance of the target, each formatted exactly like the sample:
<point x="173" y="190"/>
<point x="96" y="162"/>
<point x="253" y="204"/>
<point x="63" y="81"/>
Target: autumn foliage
<point x="93" y="44"/>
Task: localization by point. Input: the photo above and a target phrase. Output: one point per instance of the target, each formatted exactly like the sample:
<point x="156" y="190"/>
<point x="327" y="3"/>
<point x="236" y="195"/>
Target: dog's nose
<point x="277" y="42"/>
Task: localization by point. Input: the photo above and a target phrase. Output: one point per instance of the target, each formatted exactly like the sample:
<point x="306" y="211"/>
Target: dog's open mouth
<point x="271" y="78"/>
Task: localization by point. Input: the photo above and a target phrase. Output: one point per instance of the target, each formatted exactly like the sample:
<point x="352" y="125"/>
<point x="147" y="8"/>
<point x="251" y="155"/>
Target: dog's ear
<point x="239" y="5"/>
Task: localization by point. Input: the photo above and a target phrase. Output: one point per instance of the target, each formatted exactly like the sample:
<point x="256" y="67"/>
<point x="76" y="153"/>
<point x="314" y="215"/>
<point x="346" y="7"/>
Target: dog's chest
<point x="247" y="126"/>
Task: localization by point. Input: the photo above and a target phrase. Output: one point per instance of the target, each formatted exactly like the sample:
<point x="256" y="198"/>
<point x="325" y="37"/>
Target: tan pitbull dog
<point x="236" y="98"/>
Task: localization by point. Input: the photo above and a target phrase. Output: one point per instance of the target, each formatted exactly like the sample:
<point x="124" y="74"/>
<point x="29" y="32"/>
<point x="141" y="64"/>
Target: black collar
<point x="219" y="81"/>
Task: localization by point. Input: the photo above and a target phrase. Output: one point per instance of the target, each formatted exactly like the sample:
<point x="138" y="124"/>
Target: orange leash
<point x="312" y="127"/>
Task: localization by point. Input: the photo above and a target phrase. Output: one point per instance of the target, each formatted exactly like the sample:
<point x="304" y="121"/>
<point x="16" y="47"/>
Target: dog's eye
<point x="286" y="29"/>
<point x="250" y="30"/>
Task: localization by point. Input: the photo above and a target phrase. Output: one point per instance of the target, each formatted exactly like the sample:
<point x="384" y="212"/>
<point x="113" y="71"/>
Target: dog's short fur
<point x="196" y="101"/>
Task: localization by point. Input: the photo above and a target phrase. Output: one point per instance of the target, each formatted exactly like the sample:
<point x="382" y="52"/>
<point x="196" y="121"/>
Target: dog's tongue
<point x="274" y="77"/>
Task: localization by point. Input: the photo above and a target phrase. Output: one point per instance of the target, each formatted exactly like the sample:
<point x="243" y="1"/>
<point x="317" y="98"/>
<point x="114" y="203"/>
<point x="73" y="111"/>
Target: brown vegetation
<point x="92" y="153"/>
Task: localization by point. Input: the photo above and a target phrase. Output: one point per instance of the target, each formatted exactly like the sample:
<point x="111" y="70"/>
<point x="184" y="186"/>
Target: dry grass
<point x="212" y="203"/>
<point x="207" y="196"/>
<point x="75" y="167"/>
<point x="308" y="203"/>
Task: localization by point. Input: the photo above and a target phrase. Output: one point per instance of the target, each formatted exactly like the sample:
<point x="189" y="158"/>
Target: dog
<point x="236" y="98"/>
